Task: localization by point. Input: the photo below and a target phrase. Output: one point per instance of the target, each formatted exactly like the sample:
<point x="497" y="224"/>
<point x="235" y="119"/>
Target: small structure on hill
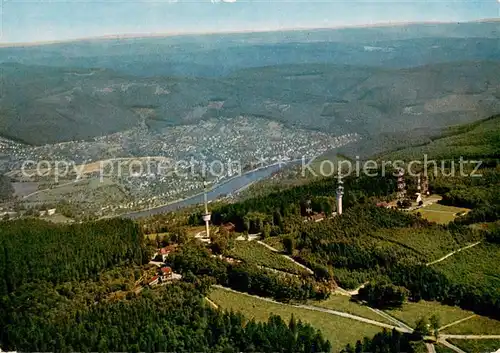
<point x="340" y="194"/>
<point x="207" y="215"/>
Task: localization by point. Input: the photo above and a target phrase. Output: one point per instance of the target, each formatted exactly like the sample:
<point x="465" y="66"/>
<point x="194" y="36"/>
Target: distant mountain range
<point x="364" y="80"/>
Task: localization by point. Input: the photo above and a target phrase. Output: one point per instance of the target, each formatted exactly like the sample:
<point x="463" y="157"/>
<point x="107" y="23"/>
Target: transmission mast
<point x="340" y="193"/>
<point x="401" y="185"/>
<point x="207" y="215"/>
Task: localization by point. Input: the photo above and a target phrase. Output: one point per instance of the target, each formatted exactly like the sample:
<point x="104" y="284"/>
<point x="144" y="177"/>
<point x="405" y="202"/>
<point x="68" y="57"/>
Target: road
<point x="470" y="337"/>
<point x="430" y="348"/>
<point x="457" y="322"/>
<point x="392" y="319"/>
<point x="323" y="310"/>
<point x="450" y="346"/>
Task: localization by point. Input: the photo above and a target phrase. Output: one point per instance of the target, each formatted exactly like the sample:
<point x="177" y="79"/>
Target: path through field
<point x="328" y="311"/>
<point x="453" y="253"/>
<point x="457" y="322"/>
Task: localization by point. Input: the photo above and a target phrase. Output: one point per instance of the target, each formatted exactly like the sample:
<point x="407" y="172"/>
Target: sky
<point x="51" y="20"/>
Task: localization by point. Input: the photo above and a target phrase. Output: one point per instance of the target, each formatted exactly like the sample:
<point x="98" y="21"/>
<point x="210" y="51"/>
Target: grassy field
<point x="477" y="346"/>
<point x="343" y="303"/>
<point x="275" y="242"/>
<point x="340" y="331"/>
<point x="478" y="325"/>
<point x="411" y="312"/>
<point x="255" y="253"/>
<point x="57" y="218"/>
<point x="443" y="349"/>
<point x="195" y="230"/>
<point x="477" y="266"/>
<point x="92" y="192"/>
<point x="440" y="213"/>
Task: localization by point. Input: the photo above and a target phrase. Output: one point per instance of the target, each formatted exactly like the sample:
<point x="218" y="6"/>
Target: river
<point x="230" y="186"/>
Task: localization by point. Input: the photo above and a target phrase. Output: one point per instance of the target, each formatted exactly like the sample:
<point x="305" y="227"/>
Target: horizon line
<point x="179" y="34"/>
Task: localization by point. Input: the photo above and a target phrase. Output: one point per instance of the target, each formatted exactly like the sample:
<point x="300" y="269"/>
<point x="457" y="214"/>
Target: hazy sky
<point x="38" y="20"/>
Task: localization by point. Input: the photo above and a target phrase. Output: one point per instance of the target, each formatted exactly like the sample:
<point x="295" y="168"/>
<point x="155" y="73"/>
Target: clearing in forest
<point x="410" y="312"/>
<point x="339" y="330"/>
<point x="441" y="213"/>
<point x="254" y="253"/>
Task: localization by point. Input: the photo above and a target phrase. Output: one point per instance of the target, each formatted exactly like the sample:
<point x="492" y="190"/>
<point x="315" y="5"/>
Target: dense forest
<point x="291" y="202"/>
<point x="36" y="250"/>
<point x="384" y="341"/>
<point x="194" y="260"/>
<point x="74" y="288"/>
<point x="172" y="318"/>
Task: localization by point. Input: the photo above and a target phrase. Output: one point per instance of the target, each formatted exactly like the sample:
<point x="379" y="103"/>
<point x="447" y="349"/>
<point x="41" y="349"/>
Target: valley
<point x="169" y="193"/>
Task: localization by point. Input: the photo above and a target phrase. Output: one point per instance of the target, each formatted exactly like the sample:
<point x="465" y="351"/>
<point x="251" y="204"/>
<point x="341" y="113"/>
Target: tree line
<point x="193" y="260"/>
<point x="32" y="249"/>
<point x="172" y="318"/>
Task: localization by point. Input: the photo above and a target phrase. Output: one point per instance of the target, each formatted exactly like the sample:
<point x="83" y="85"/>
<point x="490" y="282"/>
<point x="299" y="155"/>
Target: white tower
<point x="206" y="215"/>
<point x="340" y="193"/>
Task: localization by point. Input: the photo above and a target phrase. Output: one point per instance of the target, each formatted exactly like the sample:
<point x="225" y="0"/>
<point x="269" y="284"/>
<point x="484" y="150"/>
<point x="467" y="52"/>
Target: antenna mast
<point x="340" y="193"/>
<point x="206" y="215"/>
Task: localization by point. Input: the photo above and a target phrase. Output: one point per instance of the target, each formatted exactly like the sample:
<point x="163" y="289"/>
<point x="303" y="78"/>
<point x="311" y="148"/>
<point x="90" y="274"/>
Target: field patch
<point x="478" y="325"/>
<point x="441" y="213"/>
<point x="344" y="304"/>
<point x="340" y="331"/>
<point x="409" y="313"/>
<point x="477" y="346"/>
<point x="254" y="253"/>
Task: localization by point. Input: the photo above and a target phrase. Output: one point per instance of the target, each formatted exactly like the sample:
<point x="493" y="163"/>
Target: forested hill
<point x="75" y="288"/>
<point x="38" y="250"/>
<point x="480" y="139"/>
<point x="43" y="104"/>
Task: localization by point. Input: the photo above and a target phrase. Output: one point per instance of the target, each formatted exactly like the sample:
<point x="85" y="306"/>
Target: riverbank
<point x="230" y="186"/>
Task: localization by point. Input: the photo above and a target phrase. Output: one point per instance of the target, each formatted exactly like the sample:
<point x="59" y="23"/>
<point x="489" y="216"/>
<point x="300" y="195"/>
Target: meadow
<point x="478" y="325"/>
<point x="257" y="254"/>
<point x="441" y="214"/>
<point x="410" y="312"/>
<point x="343" y="303"/>
<point x="477" y="346"/>
<point x="340" y="331"/>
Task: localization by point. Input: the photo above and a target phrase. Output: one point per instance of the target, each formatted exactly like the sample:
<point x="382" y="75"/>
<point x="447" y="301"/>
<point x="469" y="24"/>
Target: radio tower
<point x="401" y="185"/>
<point x="308" y="207"/>
<point x="206" y="216"/>
<point x="340" y="193"/>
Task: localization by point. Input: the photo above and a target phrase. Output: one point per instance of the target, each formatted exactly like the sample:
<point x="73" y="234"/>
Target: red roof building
<point x="154" y="280"/>
<point x="166" y="270"/>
